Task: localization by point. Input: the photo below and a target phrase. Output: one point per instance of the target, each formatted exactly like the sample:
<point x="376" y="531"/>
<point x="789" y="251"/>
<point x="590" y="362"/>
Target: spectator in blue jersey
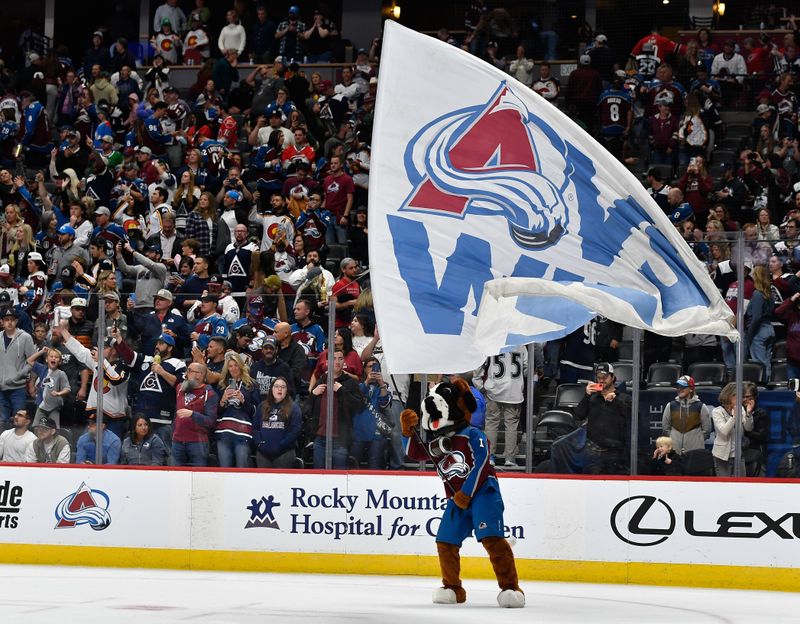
<point x="307" y="333"/>
<point x="276" y="427"/>
<point x="36" y="139"/>
<point x="106" y="228"/>
<point x="238" y="400"/>
<point x="211" y="324"/>
<point x="86" y="449"/>
<point x="154" y="136"/>
<point x="155" y="379"/>
<point x="616" y="115"/>
<point x="225" y="72"/>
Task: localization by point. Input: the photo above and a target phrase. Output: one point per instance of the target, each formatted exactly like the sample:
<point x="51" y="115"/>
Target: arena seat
<point x="554" y="423"/>
<point x="698" y="463"/>
<point x="707" y="373"/>
<point x="779" y="351"/>
<point x="663" y="374"/>
<point x="780" y="375"/>
<point x="754" y="372"/>
<point x="568" y="395"/>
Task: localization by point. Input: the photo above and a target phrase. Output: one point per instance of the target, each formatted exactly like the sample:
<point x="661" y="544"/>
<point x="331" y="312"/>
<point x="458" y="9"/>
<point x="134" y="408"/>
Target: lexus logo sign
<point x="643" y="520"/>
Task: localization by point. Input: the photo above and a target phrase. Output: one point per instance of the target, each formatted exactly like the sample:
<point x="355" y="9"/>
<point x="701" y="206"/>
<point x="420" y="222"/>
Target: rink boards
<point x="743" y="534"/>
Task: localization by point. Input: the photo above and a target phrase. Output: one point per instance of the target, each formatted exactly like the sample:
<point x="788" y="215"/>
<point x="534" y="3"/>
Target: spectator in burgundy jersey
<point x="346" y="290"/>
<point x="339" y="189"/>
<point x="584" y="88"/>
<point x="197" y="404"/>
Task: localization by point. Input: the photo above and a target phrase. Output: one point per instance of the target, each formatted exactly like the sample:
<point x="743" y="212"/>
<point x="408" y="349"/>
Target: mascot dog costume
<point x="461" y="455"/>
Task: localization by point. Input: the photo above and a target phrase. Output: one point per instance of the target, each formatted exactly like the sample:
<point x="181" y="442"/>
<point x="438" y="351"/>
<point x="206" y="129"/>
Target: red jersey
<point x="294" y="153"/>
<point x="758" y="61"/>
<point x="345" y="290"/>
<point x="337" y="188"/>
<point x="229" y="133"/>
<point x="661" y="46"/>
<point x="203" y="402"/>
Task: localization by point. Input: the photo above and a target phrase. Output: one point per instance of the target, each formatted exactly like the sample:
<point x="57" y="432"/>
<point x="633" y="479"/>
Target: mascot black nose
<point x="432" y="409"/>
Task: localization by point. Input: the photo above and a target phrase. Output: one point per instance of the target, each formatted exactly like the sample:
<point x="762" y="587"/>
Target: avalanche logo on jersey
<point x="150" y="383"/>
<point x="84" y="506"/>
<point x="494" y="159"/>
<point x="454" y="465"/>
<point x="236" y="269"/>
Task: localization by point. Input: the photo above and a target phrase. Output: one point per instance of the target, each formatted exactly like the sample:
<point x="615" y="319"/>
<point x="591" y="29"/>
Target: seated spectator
<point x="87" y="445"/>
<point x="695" y="185"/>
<point x="49" y="447"/>
<point x="16" y="443"/>
<point x="546" y="85"/>
<point x="277" y="427"/>
<point x="142" y="447"/>
<point x="759" y="333"/>
<point x="663" y="137"/>
<point x="666" y="461"/>
<point x="729" y="69"/>
<point x="686" y="419"/>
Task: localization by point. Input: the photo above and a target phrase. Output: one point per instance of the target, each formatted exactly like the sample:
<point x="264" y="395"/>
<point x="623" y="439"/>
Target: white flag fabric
<point x="496" y="221"/>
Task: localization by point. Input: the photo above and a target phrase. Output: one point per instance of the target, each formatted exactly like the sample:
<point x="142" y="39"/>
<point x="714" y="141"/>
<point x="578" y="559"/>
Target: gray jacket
<point x="149" y="452"/>
<point x="63" y="258"/>
<point x="694" y="438"/>
<point x="150" y="277"/>
<point x="14" y="367"/>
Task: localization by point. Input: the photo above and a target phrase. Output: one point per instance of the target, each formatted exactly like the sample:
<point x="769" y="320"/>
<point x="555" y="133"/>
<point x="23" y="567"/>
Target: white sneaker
<point x="511" y="599"/>
<point x="444" y="595"/>
<point x="510" y="463"/>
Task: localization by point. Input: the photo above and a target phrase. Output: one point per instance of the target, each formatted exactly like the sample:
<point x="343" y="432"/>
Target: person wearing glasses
<point x="277" y="426"/>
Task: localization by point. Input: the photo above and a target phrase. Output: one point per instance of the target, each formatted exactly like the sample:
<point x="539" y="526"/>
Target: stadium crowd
<point x="212" y="227"/>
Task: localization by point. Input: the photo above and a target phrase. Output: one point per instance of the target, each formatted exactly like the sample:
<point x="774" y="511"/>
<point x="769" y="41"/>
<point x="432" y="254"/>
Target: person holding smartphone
<point x="607" y="412"/>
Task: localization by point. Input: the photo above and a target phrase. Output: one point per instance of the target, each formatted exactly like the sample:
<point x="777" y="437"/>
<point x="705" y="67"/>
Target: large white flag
<point x="495" y="220"/>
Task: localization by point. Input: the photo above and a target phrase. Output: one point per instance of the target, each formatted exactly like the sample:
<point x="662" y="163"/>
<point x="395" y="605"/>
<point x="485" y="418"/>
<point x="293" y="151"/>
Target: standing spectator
<point x="97" y="54"/>
<point x="86" y="449"/>
<point x="367" y="437"/>
<point x="692" y="132"/>
<point x="277" y="427"/>
<point x="166" y="42"/>
<point x="52" y="385"/>
<point x="225" y="72"/>
<point x="262" y="36"/>
<point x="16" y="346"/>
<point x="501" y="379"/>
<point x="196" y="42"/>
<point x="686" y="419"/>
<point x="347" y="400"/>
<point x="602" y="58"/>
<point x="755" y="455"/>
<point x="291" y="353"/>
<point x="759" y="334"/>
<point x="695" y="185"/>
<point x="270" y="368"/>
<point x="142" y="447"/>
<point x="290" y="35"/>
<point x="16" y="443"/>
<point x="172" y="12"/>
<point x="724" y="418"/>
<point x="663" y="137"/>
<point x="232" y="37"/>
<point x="238" y="400"/>
<point x="49" y="447"/>
<point x="200" y="223"/>
<point x="197" y="406"/>
<point x="608" y="417"/>
<point x="546" y="85"/>
<point x="584" y="89"/>
<point x="148" y="271"/>
<point x="347" y="290"/>
<point x="318" y="39"/>
<point x="521" y="67"/>
<point x="729" y="70"/>
<point x="339" y="190"/>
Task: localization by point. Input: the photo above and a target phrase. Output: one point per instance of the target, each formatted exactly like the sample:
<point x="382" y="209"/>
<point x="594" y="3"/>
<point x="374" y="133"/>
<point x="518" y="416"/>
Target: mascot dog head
<point x="448" y="408"/>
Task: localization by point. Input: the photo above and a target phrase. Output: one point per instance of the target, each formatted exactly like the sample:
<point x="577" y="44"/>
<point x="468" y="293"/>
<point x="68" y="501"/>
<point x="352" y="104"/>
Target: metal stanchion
<point x="738" y="466"/>
<point x="529" y="392"/>
<point x="330" y="381"/>
<point x="101" y="376"/>
<point x="637" y="377"/>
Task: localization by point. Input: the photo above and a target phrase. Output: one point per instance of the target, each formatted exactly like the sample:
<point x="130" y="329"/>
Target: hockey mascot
<point x="461" y="455"/>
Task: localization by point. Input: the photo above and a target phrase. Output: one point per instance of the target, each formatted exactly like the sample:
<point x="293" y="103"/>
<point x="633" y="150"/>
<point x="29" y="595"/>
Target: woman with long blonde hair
<point x="185" y="199"/>
<point x="239" y="397"/>
<point x="18" y="254"/>
<point x="759" y="334"/>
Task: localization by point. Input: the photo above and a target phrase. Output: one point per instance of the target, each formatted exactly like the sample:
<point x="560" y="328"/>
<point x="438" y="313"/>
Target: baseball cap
<point x="167" y="339"/>
<point x="164" y="294"/>
<point x="46" y="422"/>
<point x="35" y="255"/>
<point x="601" y="38"/>
<point x="153" y="247"/>
<point x="11" y="312"/>
<point x="68" y="271"/>
<point x="105" y="265"/>
<point x="5" y="270"/>
<point x="603" y="368"/>
<point x="107" y="138"/>
<point x="66" y="229"/>
<point x="761" y="109"/>
<point x="102" y="210"/>
<point x="78" y="302"/>
<point x="294" y="9"/>
<point x="684" y="381"/>
<point x="279" y="59"/>
<point x="215" y="279"/>
<point x="143" y="149"/>
<point x="270" y="341"/>
<point x="209" y="299"/>
<point x="196" y="17"/>
<point x="585" y="59"/>
<point x="166" y="20"/>
<point x="112" y="296"/>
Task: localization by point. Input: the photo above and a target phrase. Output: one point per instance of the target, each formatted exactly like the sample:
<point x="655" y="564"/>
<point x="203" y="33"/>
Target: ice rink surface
<point x="43" y="594"/>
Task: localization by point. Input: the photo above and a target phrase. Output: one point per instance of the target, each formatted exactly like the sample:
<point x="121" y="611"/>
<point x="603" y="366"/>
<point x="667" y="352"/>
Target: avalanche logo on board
<point x="84" y="506"/>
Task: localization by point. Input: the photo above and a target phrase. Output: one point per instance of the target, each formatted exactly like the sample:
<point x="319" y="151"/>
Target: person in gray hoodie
<point x="686" y="419"/>
<point x="149" y="272"/>
<point x="16" y="346"/>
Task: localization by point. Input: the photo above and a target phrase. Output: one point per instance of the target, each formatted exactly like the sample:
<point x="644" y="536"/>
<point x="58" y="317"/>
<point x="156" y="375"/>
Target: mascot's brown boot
<point x="502" y="558"/>
<point x="451" y="591"/>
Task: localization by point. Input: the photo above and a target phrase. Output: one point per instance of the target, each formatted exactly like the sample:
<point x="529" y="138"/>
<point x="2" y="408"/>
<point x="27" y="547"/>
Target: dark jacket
<point x="273" y="435"/>
<point x="608" y="421"/>
<point x="790" y="314"/>
<point x="349" y="402"/>
<point x="149" y="452"/>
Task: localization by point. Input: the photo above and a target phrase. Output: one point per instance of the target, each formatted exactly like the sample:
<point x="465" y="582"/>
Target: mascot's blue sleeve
<point x="479" y="446"/>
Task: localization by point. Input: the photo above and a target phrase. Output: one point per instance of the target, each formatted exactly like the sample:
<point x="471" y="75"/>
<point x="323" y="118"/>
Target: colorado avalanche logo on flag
<point x="495" y="221"/>
<point x="492" y="160"/>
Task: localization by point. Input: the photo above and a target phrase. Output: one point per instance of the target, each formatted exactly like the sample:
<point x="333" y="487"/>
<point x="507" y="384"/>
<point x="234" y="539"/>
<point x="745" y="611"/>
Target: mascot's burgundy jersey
<point x="467" y="466"/>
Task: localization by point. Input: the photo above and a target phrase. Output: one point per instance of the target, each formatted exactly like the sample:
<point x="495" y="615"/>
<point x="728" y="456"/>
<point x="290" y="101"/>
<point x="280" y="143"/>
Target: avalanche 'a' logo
<point x="496" y="159"/>
<point x="84" y="506"/>
<point x="454" y="465"/>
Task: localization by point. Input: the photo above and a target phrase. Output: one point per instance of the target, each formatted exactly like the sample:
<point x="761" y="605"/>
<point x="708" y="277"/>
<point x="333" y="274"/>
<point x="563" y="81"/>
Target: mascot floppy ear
<point x="466" y="401"/>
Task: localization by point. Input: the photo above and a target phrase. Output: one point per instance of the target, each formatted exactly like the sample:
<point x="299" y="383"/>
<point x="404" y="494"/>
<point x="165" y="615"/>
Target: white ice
<point x="44" y="594"/>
